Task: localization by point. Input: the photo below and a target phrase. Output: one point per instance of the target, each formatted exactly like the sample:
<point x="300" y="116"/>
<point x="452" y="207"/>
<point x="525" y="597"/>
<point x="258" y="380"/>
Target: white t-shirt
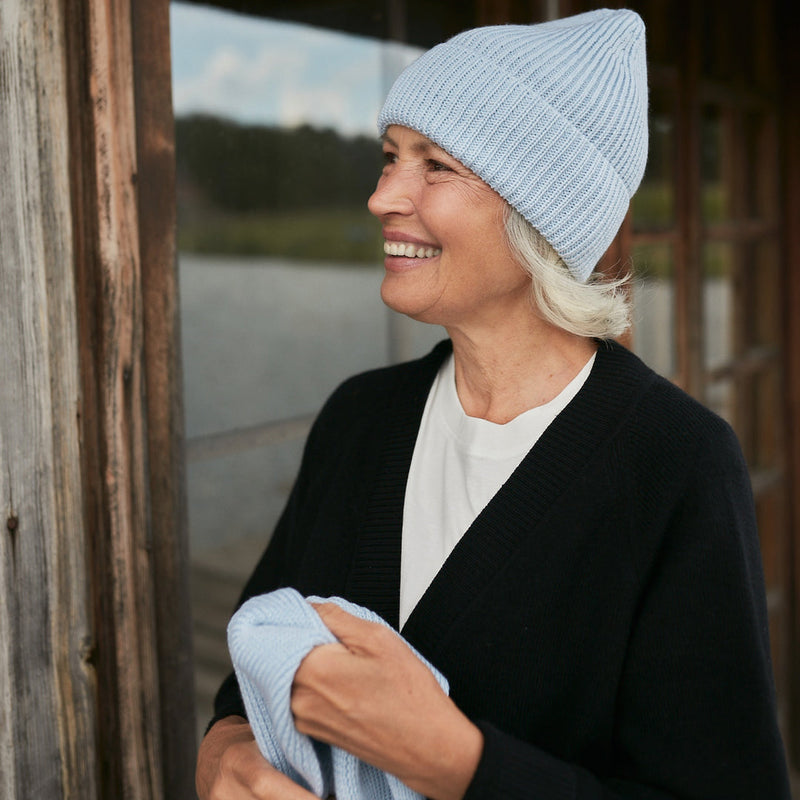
<point x="459" y="463"/>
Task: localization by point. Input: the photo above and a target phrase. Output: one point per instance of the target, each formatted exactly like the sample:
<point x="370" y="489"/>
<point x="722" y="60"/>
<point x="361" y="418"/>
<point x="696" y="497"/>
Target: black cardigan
<point x="603" y="620"/>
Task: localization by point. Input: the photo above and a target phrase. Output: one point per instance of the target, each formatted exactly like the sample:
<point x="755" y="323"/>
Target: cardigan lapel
<point x="514" y="513"/>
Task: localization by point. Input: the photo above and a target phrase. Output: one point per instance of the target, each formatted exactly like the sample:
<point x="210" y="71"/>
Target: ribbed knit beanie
<point x="552" y="116"/>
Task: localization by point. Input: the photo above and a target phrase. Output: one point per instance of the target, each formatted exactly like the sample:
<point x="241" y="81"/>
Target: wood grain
<point x="114" y="427"/>
<point x="162" y="362"/>
<point x="47" y="696"/>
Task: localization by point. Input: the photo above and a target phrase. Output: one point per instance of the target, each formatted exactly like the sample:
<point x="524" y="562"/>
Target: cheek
<point x="483" y="209"/>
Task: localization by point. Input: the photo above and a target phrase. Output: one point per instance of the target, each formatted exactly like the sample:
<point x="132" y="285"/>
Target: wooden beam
<point x="47" y="681"/>
<point x="114" y="426"/>
<point x="155" y="145"/>
<point x="688" y="252"/>
<point x="787" y="30"/>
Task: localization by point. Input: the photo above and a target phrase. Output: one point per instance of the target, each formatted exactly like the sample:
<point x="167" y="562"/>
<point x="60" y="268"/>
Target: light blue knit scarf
<point x="268" y="637"/>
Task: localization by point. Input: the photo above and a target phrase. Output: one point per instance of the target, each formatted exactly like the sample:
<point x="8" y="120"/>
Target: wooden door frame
<point x="155" y="137"/>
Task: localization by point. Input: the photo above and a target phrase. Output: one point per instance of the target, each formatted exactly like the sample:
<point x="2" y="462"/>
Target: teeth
<point x="409" y="250"/>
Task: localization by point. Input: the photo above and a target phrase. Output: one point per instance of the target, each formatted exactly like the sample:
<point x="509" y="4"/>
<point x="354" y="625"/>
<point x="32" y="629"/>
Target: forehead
<point x="399" y="136"/>
<point x="407" y="140"/>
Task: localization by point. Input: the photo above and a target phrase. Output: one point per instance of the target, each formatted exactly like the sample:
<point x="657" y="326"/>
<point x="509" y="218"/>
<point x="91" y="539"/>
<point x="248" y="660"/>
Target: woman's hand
<point x="231" y="767"/>
<point x="370" y="695"/>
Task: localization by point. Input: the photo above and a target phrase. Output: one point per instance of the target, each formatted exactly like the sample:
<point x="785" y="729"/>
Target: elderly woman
<point x="563" y="534"/>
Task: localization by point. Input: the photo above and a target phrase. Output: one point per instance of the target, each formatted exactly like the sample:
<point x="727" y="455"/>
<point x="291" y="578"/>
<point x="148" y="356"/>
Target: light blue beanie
<point x="552" y="116"/>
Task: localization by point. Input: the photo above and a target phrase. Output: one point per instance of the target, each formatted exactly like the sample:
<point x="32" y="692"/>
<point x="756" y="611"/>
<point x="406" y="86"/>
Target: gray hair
<point x="598" y="308"/>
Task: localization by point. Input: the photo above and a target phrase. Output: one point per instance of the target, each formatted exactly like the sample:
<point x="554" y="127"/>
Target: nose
<point x="392" y="195"/>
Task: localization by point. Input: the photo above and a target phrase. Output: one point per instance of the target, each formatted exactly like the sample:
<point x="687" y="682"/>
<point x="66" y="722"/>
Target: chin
<point x="406" y="303"/>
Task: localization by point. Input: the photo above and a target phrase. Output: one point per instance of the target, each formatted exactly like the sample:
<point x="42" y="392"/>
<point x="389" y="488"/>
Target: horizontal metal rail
<point x="238" y="440"/>
<point x="752" y="361"/>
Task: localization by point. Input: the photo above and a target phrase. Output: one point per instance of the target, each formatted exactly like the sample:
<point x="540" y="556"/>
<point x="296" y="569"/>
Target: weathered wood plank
<point x="47" y="702"/>
<point x="114" y="429"/>
<point x="162" y="362"/>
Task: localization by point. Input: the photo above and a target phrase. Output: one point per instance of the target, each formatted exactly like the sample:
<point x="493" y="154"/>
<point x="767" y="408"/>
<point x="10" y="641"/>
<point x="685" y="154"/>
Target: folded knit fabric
<point x="268" y="637"/>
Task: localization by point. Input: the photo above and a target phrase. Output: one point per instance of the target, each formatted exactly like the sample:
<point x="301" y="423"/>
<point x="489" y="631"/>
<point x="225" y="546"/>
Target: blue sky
<point x="263" y="71"/>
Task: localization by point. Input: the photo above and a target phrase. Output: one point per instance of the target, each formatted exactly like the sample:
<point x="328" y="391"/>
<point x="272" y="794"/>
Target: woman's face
<point x="447" y="260"/>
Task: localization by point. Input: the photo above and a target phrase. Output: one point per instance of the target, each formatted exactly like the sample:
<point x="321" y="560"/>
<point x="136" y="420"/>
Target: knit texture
<point x="268" y="637"/>
<point x="552" y="116"/>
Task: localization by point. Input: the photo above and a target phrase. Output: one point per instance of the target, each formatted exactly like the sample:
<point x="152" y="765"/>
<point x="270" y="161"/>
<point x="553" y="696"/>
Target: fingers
<point x="230" y="767"/>
<point x="357" y="635"/>
<point x="370" y="695"/>
<point x="274" y="785"/>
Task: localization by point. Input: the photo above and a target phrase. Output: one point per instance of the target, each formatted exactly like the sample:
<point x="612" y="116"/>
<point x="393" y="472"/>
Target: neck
<point x="501" y="374"/>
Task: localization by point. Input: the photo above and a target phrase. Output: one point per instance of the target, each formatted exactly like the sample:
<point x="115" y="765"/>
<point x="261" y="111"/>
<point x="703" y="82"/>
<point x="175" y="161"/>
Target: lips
<point x="410" y="250"/>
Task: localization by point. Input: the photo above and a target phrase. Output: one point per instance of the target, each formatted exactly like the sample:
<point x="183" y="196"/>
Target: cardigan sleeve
<point x="695" y="712"/>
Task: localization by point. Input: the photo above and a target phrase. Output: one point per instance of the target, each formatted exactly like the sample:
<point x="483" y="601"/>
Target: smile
<point x="409" y="250"/>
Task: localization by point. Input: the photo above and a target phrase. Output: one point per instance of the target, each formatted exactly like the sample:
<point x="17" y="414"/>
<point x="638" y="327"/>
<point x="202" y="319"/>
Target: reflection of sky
<point x="265" y="71"/>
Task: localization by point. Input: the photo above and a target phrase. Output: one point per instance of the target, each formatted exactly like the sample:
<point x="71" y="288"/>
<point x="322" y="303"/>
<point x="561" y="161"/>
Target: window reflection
<point x="653" y="204"/>
<point x="654" y="219"/>
<point x="718" y="303"/>
<point x="654" y="306"/>
<point x="280" y="268"/>
<point x="760" y="193"/>
<point x="717" y="158"/>
<point x="721" y="398"/>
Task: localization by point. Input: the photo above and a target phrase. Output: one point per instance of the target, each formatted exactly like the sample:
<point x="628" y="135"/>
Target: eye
<point x="437" y="166"/>
<point x="389" y="157"/>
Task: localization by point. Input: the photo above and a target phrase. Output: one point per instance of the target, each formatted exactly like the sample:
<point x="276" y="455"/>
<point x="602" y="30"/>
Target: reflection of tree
<point x="229" y="167"/>
<point x="259" y="191"/>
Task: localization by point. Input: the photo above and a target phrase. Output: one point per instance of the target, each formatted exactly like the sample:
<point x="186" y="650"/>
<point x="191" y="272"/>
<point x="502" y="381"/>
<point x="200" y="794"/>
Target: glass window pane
<point x="716" y="165"/>
<point x="277" y="153"/>
<point x="720" y="397"/>
<point x="265" y="339"/>
<point x="653" y="205"/>
<point x="279" y="258"/>
<point x="767" y="312"/>
<point x="653" y="328"/>
<point x="718" y="303"/>
<point x="727" y="50"/>
<point x="240" y="494"/>
<point x="759" y="192"/>
<point x="233" y="504"/>
<point x="280" y="264"/>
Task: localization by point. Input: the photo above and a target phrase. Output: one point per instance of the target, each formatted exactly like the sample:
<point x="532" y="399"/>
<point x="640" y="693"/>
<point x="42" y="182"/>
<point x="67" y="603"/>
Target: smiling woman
<point x="565" y="536"/>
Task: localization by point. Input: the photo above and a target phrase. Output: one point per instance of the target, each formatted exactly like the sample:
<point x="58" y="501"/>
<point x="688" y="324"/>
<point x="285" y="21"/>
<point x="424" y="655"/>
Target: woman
<point x="566" y="536"/>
